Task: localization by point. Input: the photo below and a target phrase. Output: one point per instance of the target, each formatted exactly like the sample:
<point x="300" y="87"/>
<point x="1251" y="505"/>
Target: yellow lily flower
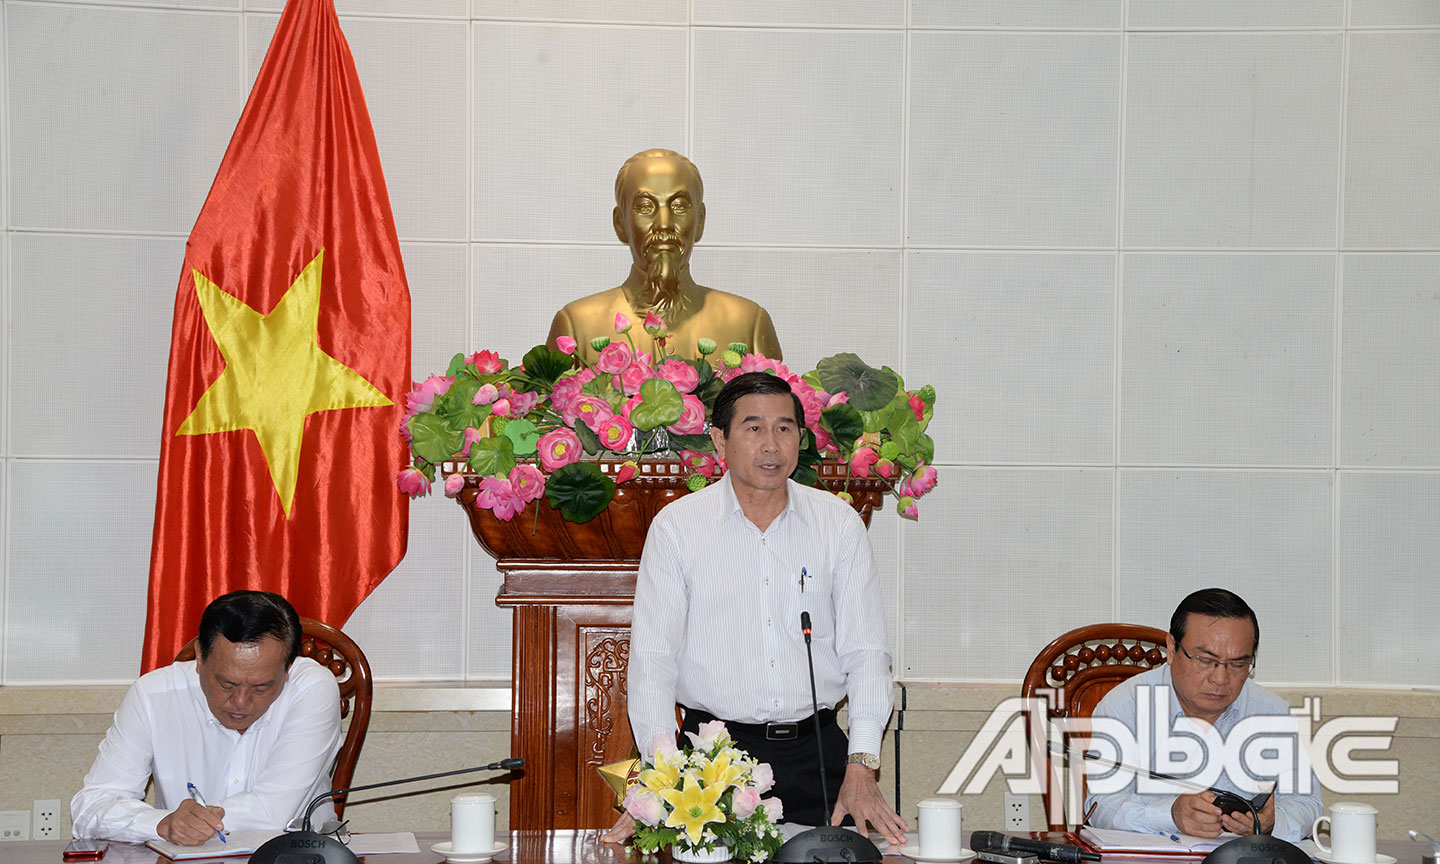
<point x="721" y="772"/>
<point x="693" y="807"/>
<point x="663" y="776"/>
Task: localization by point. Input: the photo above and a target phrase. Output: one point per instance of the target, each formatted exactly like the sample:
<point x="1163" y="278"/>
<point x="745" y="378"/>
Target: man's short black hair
<point x="751" y="384"/>
<point x="1213" y="603"/>
<point x="249" y="616"/>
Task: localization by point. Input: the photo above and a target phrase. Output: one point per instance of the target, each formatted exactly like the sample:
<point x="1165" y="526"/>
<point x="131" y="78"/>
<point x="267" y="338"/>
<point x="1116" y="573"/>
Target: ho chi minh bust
<point x="659" y="214"/>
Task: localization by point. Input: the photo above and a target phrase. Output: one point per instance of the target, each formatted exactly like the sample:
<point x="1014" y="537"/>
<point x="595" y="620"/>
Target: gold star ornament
<point x="620" y="775"/>
<point x="275" y="374"/>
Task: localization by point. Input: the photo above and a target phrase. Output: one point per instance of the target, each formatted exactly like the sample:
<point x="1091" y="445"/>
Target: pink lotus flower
<point x="838" y="398"/>
<point x="654" y="324"/>
<point x="615" y="358"/>
<point x="862" y="460"/>
<point x="622" y="323"/>
<point x="566" y="391"/>
<point x="527" y="481"/>
<point x="423" y="396"/>
<point x="485" y="395"/>
<point x="627" y="471"/>
<point x="923" y="480"/>
<point x="638" y="373"/>
<point x="500" y="408"/>
<point x="903" y="490"/>
<point x="745" y="802"/>
<point x="565" y="344"/>
<point x="487" y="362"/>
<point x="822" y="441"/>
<point x="453" y="484"/>
<point x="645" y="807"/>
<point x="773" y="808"/>
<point x="523" y="403"/>
<point x="917" y="406"/>
<point x="498" y="496"/>
<point x="760" y="363"/>
<point x="763" y="776"/>
<point x="471" y="436"/>
<point x="692" y="416"/>
<point x="615" y="433"/>
<point x="703" y="464"/>
<point x="557" y="449"/>
<point x="885" y="468"/>
<point x="681" y="374"/>
<point x="708" y="735"/>
<point x="591" y="410"/>
<point x="812" y="400"/>
<point x="413" y="483"/>
<point x="907" y="507"/>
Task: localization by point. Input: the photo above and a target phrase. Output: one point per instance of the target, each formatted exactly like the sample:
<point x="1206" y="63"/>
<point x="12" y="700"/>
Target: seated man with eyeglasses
<point x="1182" y="719"/>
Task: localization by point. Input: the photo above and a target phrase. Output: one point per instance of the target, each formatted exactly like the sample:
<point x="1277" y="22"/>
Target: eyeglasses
<point x="1242" y="666"/>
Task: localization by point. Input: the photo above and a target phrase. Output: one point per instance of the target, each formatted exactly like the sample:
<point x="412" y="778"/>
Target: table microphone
<point x="824" y="844"/>
<point x="307" y="847"/>
<point x="997" y="842"/>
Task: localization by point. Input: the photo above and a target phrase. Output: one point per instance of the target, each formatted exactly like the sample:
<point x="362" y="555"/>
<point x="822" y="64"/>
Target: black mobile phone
<point x="1229" y="802"/>
<point x="85" y="850"/>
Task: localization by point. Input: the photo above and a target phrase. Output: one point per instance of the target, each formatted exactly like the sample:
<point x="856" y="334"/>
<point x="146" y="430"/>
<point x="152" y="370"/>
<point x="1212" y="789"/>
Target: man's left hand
<point x="860" y="799"/>
<point x="1243" y="824"/>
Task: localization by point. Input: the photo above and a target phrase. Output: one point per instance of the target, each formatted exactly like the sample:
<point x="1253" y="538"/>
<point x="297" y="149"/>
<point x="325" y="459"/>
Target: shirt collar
<point x="1177" y="711"/>
<point x="730" y="504"/>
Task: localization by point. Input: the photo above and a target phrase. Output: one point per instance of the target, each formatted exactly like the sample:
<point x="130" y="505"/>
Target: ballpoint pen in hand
<point x="198" y="799"/>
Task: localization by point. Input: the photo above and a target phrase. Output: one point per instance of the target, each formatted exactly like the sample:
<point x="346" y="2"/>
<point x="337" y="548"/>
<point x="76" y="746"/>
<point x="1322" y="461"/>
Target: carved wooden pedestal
<point x="571" y="588"/>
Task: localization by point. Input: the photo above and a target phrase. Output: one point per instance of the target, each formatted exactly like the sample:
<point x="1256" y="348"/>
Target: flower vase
<point x="680" y="852"/>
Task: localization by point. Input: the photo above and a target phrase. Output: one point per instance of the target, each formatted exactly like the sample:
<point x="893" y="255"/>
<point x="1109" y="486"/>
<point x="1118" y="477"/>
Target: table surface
<point x="526" y="847"/>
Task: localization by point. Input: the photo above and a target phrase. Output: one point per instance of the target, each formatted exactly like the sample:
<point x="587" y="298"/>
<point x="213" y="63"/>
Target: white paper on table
<point x="383" y="844"/>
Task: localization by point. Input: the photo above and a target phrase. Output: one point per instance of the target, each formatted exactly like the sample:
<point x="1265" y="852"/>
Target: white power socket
<point x="47" y="819"/>
<point x="14" y="825"/>
<point x="1017" y="812"/>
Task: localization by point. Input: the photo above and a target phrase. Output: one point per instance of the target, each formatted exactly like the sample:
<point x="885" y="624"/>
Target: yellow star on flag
<point x="275" y="374"/>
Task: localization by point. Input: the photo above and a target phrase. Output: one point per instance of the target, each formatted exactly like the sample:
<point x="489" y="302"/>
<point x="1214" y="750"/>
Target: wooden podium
<point x="570" y="587"/>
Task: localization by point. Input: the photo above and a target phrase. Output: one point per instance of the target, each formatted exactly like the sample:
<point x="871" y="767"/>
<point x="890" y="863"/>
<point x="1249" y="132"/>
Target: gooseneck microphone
<point x="824" y="844"/>
<point x="307" y="847"/>
<point x="994" y="841"/>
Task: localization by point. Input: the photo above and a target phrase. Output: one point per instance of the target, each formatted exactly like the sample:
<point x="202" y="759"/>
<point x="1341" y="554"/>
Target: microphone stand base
<point x="1257" y="849"/>
<point x="830" y="846"/>
<point x="303" y="847"/>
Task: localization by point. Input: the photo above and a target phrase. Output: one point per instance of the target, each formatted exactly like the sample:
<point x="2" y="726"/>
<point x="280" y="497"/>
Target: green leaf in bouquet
<point x="580" y="491"/>
<point x="905" y="432"/>
<point x="869" y="389"/>
<point x="523" y="435"/>
<point x="588" y="439"/>
<point x="457" y="365"/>
<point x="459" y="397"/>
<point x="844" y="424"/>
<point x="889" y="450"/>
<point x="603" y="387"/>
<point x="491" y="457"/>
<point x="925" y="447"/>
<point x="698" y="443"/>
<point x="927" y="395"/>
<point x="708" y="390"/>
<point x="432" y="438"/>
<point x="660" y="405"/>
<point x="876" y="421"/>
<point x="813" y="379"/>
<point x="544" y="365"/>
<point x="806" y="475"/>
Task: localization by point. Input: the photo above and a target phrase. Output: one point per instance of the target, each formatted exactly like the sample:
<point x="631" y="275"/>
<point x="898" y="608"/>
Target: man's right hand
<point x="1197" y="814"/>
<point x="621" y="831"/>
<point x="190" y="824"/>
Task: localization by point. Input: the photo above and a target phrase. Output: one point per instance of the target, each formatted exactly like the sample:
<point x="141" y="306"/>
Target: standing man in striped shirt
<point x="724" y="577"/>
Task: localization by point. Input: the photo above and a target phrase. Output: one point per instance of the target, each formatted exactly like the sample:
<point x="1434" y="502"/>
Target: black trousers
<point x="795" y="762"/>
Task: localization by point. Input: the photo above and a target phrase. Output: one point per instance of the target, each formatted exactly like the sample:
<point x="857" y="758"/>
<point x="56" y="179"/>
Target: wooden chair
<point x="1077" y="670"/>
<point x="334" y="650"/>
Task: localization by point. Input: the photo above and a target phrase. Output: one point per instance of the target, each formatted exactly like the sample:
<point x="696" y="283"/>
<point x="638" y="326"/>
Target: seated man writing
<point x="1195" y="702"/>
<point x="253" y="728"/>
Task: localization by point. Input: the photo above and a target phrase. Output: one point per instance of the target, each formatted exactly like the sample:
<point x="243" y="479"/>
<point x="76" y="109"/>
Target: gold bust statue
<point x="659" y="214"/>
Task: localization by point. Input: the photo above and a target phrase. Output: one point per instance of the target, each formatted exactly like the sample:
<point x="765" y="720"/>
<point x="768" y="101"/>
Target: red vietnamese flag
<point x="290" y="357"/>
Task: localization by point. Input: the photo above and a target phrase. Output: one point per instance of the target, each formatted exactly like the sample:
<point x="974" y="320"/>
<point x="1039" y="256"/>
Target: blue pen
<point x="1173" y="837"/>
<point x="198" y="799"/>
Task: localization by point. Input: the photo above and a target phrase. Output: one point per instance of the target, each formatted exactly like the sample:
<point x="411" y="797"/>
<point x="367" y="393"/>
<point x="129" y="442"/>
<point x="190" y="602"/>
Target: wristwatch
<point x="867" y="759"/>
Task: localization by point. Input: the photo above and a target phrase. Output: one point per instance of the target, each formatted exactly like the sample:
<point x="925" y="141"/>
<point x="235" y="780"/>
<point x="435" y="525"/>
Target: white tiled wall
<point x="1172" y="265"/>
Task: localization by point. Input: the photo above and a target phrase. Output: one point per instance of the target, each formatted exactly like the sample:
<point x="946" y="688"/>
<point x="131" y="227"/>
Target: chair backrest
<point x="1073" y="673"/>
<point x="337" y="652"/>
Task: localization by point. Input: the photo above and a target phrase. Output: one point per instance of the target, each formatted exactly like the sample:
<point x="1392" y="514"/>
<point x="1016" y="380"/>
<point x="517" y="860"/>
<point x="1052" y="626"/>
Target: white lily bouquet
<point x="703" y="799"/>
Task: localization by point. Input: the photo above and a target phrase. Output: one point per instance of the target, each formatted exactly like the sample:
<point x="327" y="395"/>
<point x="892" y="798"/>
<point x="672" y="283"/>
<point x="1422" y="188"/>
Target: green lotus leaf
<point x="844" y="424"/>
<point x="660" y="405"/>
<point x="492" y="457"/>
<point x="523" y="435"/>
<point x="459" y="396"/>
<point x="457" y="365"/>
<point x="433" y="439"/>
<point x="544" y="365"/>
<point x="589" y="441"/>
<point x="806" y="475"/>
<point x="580" y="491"/>
<point x="698" y="443"/>
<point x="869" y="389"/>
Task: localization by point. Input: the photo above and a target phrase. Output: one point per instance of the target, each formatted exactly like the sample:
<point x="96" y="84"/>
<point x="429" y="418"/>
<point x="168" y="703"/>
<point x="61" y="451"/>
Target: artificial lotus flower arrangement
<point x="540" y="429"/>
<point x="705" y="795"/>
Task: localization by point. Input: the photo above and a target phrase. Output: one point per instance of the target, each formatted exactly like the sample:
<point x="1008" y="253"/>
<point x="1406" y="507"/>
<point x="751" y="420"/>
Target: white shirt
<point x="717" y="616"/>
<point x="164" y="729"/>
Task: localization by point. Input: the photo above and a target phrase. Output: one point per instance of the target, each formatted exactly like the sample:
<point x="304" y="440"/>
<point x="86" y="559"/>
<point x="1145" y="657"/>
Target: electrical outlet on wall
<point x="14" y="825"/>
<point x="1017" y="812"/>
<point x="47" y="819"/>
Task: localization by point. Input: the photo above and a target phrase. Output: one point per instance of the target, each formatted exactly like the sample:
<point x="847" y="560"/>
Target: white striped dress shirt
<point x="717" y="616"/>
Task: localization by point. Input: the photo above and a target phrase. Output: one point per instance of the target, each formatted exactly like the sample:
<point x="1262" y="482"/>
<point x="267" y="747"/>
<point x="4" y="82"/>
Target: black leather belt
<point x="795" y="731"/>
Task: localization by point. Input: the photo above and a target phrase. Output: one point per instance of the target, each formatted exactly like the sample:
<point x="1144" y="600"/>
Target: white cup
<point x="472" y="824"/>
<point x="1352" y="833"/>
<point x="940" y="827"/>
